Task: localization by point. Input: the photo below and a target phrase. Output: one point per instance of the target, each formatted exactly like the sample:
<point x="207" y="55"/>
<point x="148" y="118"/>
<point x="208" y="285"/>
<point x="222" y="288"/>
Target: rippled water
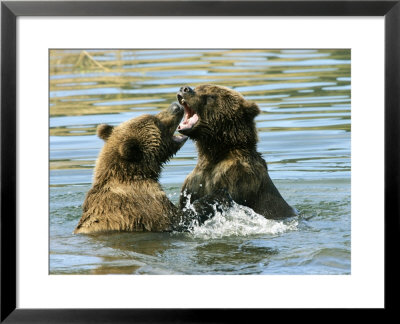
<point x="304" y="135"/>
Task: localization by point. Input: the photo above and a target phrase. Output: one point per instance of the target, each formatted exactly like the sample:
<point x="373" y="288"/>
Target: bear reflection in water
<point x="126" y="194"/>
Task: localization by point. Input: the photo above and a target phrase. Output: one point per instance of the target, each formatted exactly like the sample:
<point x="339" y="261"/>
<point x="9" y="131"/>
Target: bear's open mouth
<point x="190" y="118"/>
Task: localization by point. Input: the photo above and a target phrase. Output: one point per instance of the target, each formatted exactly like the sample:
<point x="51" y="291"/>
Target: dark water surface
<point x="304" y="135"/>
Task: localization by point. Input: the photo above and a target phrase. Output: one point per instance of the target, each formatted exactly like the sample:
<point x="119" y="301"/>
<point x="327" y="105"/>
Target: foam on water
<point x="239" y="220"/>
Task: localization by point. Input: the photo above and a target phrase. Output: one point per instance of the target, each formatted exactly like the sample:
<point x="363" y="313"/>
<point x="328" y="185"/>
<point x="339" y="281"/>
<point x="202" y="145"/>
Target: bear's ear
<point x="251" y="110"/>
<point x="104" y="131"/>
<point x="131" y="150"/>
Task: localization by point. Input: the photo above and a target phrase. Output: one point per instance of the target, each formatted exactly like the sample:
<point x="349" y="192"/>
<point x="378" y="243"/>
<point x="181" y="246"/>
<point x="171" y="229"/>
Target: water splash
<point x="239" y="220"/>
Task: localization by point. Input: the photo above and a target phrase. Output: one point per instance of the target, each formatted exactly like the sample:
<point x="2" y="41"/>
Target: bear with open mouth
<point x="221" y="122"/>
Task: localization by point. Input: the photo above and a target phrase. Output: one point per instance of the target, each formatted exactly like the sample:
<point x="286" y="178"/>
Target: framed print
<point x="310" y="89"/>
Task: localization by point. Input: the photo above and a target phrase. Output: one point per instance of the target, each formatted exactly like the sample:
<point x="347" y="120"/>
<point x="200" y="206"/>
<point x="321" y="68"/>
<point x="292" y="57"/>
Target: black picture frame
<point x="10" y="10"/>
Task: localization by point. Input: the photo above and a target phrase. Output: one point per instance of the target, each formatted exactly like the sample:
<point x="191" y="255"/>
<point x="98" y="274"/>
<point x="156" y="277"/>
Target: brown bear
<point x="126" y="194"/>
<point x="221" y="122"/>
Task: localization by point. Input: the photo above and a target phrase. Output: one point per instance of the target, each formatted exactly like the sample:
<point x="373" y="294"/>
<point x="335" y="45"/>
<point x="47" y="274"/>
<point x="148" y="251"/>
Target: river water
<point x="304" y="135"/>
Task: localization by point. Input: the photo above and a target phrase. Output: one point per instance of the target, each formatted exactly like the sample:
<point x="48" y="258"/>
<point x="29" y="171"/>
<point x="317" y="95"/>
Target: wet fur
<point x="126" y="194"/>
<point x="226" y="139"/>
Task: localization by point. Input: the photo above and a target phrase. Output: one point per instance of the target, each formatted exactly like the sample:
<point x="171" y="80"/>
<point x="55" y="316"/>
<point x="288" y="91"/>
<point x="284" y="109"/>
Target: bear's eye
<point x="210" y="99"/>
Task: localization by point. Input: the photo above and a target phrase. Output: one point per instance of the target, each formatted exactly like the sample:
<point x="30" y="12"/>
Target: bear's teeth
<point x="179" y="138"/>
